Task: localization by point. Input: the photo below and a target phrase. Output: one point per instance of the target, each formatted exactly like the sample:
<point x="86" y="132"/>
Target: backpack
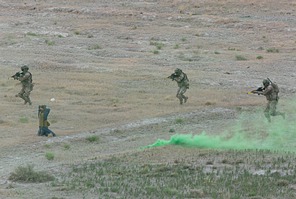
<point x="275" y="87"/>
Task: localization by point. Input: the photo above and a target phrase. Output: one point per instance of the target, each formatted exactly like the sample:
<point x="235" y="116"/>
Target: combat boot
<point x="185" y="99"/>
<point x="283" y="115"/>
<point x="181" y="100"/>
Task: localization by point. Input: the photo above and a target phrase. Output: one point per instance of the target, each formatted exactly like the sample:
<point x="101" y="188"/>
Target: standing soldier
<point x="25" y="77"/>
<point x="270" y="90"/>
<point x="183" y="83"/>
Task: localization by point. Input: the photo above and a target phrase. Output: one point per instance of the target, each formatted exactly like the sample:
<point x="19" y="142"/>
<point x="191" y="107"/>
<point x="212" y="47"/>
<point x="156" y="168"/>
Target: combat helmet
<point x="24" y="67"/>
<point x="178" y="71"/>
<point x="265" y="82"/>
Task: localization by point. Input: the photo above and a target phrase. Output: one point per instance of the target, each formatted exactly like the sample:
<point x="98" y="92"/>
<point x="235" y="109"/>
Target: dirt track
<point x="106" y="64"/>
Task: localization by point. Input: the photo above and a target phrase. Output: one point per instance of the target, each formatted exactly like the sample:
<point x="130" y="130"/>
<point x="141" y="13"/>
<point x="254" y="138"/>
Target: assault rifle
<point x="173" y="76"/>
<point x="257" y="91"/>
<point x="17" y="75"/>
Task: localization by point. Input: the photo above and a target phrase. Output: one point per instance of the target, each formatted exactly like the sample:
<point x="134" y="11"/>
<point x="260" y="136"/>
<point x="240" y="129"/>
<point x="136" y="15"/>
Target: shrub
<point x="94" y="47"/>
<point x="259" y="57"/>
<point x="155" y="52"/>
<point x="240" y="58"/>
<point x="49" y="156"/>
<point x="27" y="174"/>
<point x="93" y="138"/>
<point x="179" y="121"/>
<point x="50" y="43"/>
<point x="272" y="50"/>
<point x="66" y="146"/>
<point x="24" y="120"/>
<point x="176" y="46"/>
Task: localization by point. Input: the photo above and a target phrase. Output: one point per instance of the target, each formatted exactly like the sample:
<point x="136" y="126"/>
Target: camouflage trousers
<point x="25" y="94"/>
<point x="270" y="110"/>
<point x="180" y="94"/>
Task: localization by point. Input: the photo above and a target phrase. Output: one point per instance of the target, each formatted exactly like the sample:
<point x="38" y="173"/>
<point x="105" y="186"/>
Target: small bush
<point x="179" y="121"/>
<point x="24" y="120"/>
<point x="94" y="47"/>
<point x="176" y="46"/>
<point x="50" y="43"/>
<point x="27" y="174"/>
<point x="272" y="50"/>
<point x="32" y="34"/>
<point x="76" y="32"/>
<point x="183" y="39"/>
<point x="93" y="138"/>
<point x="240" y="58"/>
<point x="259" y="57"/>
<point x="155" y="52"/>
<point x="158" y="45"/>
<point x="49" y="156"/>
<point x="66" y="146"/>
<point x="210" y="103"/>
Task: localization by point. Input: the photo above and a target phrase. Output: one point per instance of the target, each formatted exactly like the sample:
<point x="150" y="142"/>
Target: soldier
<point x="270" y="91"/>
<point x="43" y="112"/>
<point x="183" y="83"/>
<point x="25" y="77"/>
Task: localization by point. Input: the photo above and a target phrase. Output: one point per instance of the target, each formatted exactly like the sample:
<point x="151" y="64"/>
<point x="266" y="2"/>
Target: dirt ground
<point x="105" y="62"/>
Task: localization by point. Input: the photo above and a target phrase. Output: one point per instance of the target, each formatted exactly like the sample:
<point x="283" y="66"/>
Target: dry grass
<point x="97" y="60"/>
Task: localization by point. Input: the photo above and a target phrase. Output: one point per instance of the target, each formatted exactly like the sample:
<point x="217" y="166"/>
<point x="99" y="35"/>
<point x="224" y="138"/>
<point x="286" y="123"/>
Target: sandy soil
<point x="106" y="63"/>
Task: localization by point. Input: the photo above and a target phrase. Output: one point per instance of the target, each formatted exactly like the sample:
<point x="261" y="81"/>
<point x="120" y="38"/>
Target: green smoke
<point x="250" y="131"/>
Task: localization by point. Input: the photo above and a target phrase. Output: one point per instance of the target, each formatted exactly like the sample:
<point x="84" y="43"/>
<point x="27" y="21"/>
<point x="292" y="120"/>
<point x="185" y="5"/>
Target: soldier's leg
<point x="183" y="90"/>
<point x="26" y="95"/>
<point x="273" y="111"/>
<point x="21" y="93"/>
<point x="267" y="112"/>
<point x="179" y="96"/>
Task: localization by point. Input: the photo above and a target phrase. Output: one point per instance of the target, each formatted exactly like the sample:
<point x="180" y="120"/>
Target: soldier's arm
<point x="24" y="77"/>
<point x="180" y="77"/>
<point x="267" y="90"/>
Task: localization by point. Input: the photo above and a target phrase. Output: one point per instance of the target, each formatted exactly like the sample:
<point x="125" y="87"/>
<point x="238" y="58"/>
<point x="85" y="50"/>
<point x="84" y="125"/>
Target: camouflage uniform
<point x="272" y="100"/>
<point x="27" y="85"/>
<point x="43" y="112"/>
<point x="183" y="84"/>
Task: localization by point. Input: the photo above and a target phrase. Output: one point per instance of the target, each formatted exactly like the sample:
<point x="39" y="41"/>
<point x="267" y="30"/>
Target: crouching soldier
<point x="43" y="112"/>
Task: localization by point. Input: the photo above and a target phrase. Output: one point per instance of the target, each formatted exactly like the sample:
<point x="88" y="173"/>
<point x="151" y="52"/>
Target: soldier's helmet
<point x="24" y="67"/>
<point x="265" y="82"/>
<point x="178" y="71"/>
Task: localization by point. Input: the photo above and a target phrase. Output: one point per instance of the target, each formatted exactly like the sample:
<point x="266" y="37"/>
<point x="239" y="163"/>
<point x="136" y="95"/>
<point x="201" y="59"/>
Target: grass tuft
<point x="27" y="174"/>
<point x="93" y="138"/>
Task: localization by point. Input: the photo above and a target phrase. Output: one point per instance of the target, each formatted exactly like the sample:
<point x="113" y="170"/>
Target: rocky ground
<point x="106" y="63"/>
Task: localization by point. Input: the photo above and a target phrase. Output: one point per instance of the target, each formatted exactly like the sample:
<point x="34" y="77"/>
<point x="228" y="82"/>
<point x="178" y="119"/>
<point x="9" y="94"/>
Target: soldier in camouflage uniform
<point x="183" y="83"/>
<point x="27" y="86"/>
<point x="270" y="91"/>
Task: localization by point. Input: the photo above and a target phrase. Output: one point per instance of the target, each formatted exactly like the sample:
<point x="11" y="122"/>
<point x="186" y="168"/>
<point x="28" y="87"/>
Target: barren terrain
<point x="105" y="62"/>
